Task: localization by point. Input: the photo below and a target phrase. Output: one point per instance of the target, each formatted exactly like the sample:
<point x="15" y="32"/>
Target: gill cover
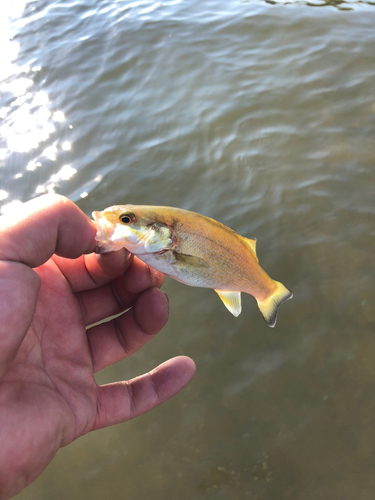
<point x="158" y="238"/>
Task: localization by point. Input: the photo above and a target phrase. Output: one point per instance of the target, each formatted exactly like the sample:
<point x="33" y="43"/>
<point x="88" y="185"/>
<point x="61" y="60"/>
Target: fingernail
<point x="166" y="296"/>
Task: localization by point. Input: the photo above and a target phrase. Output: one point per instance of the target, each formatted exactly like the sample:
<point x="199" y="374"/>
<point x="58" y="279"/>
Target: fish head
<point x="135" y="228"/>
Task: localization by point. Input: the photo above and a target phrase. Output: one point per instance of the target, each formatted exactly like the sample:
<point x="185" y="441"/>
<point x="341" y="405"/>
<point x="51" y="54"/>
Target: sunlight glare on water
<point x="27" y="118"/>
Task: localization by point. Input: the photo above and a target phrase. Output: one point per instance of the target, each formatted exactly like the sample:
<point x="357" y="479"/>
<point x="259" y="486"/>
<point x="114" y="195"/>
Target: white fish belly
<point x="187" y="275"/>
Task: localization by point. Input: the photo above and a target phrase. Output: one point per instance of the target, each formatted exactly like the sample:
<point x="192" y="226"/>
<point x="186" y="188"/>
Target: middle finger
<point x="120" y="294"/>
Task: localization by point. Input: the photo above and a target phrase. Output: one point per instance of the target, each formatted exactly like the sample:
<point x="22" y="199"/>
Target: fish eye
<point x="126" y="218"/>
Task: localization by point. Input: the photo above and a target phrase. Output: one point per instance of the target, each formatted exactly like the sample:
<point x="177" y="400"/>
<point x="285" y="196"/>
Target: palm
<point x="55" y="354"/>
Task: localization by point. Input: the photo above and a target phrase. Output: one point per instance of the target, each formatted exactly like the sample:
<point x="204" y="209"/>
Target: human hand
<point x="51" y="287"/>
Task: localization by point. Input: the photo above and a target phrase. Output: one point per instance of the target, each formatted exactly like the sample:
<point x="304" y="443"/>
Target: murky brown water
<point x="263" y="117"/>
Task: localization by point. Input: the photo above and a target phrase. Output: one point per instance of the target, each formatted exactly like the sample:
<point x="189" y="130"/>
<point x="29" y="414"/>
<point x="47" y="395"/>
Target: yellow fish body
<point x="194" y="250"/>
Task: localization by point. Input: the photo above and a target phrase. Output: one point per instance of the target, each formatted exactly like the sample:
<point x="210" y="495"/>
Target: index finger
<point x="44" y="226"/>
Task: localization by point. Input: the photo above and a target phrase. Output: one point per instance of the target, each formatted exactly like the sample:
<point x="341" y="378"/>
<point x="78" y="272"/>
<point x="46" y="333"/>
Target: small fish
<point x="194" y="250"/>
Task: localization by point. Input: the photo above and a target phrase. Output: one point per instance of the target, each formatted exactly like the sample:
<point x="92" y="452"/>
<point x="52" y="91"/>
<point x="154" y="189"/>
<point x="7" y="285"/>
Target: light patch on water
<point x="18" y="87"/>
<point x="9" y="49"/>
<point x="66" y="146"/>
<point x="50" y="188"/>
<point x="11" y="10"/>
<point x="40" y="189"/>
<point x="58" y="116"/>
<point x="4" y="111"/>
<point x="64" y="174"/>
<point x="11" y="207"/>
<point x="29" y="123"/>
<point x="31" y="166"/>
<point x="50" y="153"/>
<point x="41" y="99"/>
<point x="27" y="120"/>
<point x="3" y="195"/>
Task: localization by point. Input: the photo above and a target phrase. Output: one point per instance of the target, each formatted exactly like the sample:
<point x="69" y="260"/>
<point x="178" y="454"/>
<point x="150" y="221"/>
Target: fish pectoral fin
<point x="232" y="301"/>
<point x="189" y="260"/>
<point x="252" y="244"/>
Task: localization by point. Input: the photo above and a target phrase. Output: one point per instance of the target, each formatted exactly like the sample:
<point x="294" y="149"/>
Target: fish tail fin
<point x="270" y="305"/>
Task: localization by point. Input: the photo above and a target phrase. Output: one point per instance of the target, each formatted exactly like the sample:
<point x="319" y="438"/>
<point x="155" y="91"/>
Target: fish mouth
<point x="104" y="231"/>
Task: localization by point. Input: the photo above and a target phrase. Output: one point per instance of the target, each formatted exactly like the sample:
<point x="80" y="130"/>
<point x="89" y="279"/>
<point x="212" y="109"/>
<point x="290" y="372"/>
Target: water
<point x="263" y="117"/>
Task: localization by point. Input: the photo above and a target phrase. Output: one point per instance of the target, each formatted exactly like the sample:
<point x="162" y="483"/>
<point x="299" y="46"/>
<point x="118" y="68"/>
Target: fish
<point x="193" y="249"/>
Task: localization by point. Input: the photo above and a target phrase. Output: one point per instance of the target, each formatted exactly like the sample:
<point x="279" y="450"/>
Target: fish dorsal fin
<point x="232" y="301"/>
<point x="252" y="245"/>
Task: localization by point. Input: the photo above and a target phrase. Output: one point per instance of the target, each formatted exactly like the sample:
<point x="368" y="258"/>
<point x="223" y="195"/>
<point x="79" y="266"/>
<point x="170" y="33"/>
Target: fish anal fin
<point x="252" y="244"/>
<point x="231" y="300"/>
<point x="270" y="305"/>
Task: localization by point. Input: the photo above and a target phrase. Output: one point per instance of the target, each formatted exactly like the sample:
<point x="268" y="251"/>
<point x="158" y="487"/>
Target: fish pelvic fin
<point x="231" y="300"/>
<point x="270" y="305"/>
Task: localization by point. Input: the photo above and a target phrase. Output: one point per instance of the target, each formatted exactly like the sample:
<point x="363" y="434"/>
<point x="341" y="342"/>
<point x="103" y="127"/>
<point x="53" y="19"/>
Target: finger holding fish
<point x="93" y="270"/>
<point x="118" y="294"/>
<point x="140" y="276"/>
